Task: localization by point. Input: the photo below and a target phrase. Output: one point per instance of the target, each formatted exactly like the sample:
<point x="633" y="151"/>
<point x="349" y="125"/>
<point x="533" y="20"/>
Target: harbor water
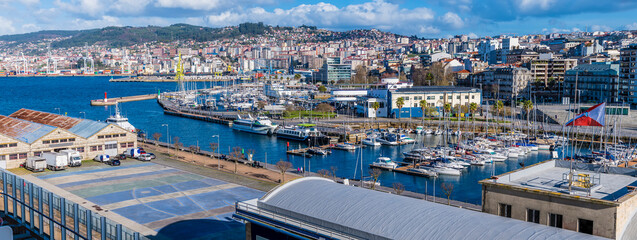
<point x="71" y="96"/>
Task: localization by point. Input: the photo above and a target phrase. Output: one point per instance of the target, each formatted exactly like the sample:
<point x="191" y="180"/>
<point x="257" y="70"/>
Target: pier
<point x="113" y="101"/>
<point x="213" y="119"/>
<point x="208" y="116"/>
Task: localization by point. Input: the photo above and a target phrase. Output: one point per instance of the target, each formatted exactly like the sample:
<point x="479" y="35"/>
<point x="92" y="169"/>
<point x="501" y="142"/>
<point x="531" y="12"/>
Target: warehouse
<point x="29" y="133"/>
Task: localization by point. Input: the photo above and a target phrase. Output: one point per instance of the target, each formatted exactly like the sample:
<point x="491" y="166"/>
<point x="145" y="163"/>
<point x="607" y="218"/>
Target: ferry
<point x="303" y="133"/>
<point x="260" y="125"/>
<point x="119" y="120"/>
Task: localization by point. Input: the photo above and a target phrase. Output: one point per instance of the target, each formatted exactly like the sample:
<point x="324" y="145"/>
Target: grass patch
<point x="312" y="114"/>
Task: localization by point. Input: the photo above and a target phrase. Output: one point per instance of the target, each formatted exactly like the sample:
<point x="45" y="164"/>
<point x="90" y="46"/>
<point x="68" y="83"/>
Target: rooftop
<point x="81" y="127"/>
<point x="23" y="130"/>
<point x="436" y="89"/>
<point x="368" y="214"/>
<point x="605" y="183"/>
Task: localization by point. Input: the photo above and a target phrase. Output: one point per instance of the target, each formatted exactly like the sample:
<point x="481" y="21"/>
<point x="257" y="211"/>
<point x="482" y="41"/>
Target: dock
<point x="208" y="116"/>
<point x="303" y="151"/>
<point x="113" y="101"/>
<point x="212" y="119"/>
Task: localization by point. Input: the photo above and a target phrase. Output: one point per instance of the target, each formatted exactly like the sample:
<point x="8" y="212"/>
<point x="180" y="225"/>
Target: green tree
<point x="423" y="108"/>
<point x="322" y="89"/>
<point x="400" y="102"/>
<point x="473" y="107"/>
<point x="447" y="109"/>
<point x="375" y="106"/>
<point x="528" y="106"/>
<point x="498" y="107"/>
<point x="297" y="76"/>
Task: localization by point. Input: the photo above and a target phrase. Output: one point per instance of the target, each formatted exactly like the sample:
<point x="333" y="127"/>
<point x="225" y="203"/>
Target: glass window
<point x="71" y="139"/>
<point x="585" y="226"/>
<point x="55" y="141"/>
<point x="13" y="144"/>
<point x="533" y="215"/>
<point x="555" y="220"/>
<point x="131" y="144"/>
<point x="13" y="157"/>
<point x="122" y="145"/>
<point x="505" y="210"/>
<point x="22" y="156"/>
<point x="63" y="140"/>
<point x="3" y="157"/>
<point x="46" y="142"/>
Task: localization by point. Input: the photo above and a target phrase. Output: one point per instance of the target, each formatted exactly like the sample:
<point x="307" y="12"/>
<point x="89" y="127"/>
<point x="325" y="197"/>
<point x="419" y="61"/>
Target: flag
<point x="594" y="116"/>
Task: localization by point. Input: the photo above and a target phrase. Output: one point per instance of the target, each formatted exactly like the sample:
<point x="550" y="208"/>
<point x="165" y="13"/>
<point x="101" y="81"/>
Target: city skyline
<point x="430" y="19"/>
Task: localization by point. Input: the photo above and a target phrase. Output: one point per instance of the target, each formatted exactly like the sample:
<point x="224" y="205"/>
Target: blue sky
<point x="430" y="18"/>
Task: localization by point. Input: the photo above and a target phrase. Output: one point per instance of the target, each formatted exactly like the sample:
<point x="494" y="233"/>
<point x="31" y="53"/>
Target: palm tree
<point x="473" y="107"/>
<point x="423" y="107"/>
<point x="400" y="102"/>
<point x="375" y="106"/>
<point x="499" y="106"/>
<point x="528" y="106"/>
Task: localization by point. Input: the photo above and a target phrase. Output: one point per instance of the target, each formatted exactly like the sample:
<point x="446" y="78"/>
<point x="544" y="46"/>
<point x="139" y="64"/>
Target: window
<point x="22" y="156"/>
<point x="406" y="98"/>
<point x="71" y="139"/>
<point x="63" y="140"/>
<point x="505" y="210"/>
<point x="466" y="97"/>
<point x="122" y="145"/>
<point x="131" y="144"/>
<point x="585" y="226"/>
<point x="107" y="136"/>
<point x="79" y="149"/>
<point x="473" y="97"/>
<point x="37" y="154"/>
<point x="100" y="137"/>
<point x="110" y="146"/>
<point x="3" y="157"/>
<point x="555" y="220"/>
<point x="122" y="135"/>
<point x="533" y="215"/>
<point x="458" y="97"/>
<point x="13" y="144"/>
<point x="55" y="141"/>
<point x="96" y="148"/>
<point x="46" y="142"/>
<point x="13" y="157"/>
<point x="441" y="98"/>
<point x="450" y="97"/>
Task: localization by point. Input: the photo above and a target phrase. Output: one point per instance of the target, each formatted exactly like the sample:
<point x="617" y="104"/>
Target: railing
<point x="320" y="231"/>
<point x="53" y="217"/>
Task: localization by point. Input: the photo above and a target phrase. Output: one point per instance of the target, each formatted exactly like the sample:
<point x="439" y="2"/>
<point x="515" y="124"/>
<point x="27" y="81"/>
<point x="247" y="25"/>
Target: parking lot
<point x="175" y="203"/>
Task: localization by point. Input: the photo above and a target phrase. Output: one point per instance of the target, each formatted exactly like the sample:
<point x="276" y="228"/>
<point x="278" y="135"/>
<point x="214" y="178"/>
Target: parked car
<point x="122" y="156"/>
<point x="152" y="155"/>
<point x="113" y="162"/>
<point x="144" y="157"/>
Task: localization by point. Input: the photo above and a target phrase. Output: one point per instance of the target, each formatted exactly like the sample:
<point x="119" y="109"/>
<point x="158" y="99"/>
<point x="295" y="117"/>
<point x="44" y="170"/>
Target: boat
<point x="318" y="151"/>
<point x="370" y="141"/>
<point x="404" y="139"/>
<point x="438" y="132"/>
<point x="385" y="162"/>
<point x="119" y="120"/>
<point x="423" y="171"/>
<point x="444" y="170"/>
<point x="303" y="133"/>
<point x="260" y="125"/>
<point x="428" y="132"/>
<point x="419" y="129"/>
<point x="388" y="139"/>
<point x="345" y="146"/>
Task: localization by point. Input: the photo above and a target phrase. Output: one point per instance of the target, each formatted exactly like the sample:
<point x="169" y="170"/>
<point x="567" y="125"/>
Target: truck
<point x="55" y="161"/>
<point x="35" y="164"/>
<point x="133" y="152"/>
<point x="73" y="157"/>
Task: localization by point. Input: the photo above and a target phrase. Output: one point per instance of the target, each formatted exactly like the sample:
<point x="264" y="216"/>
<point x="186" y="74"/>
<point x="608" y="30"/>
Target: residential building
<point x="548" y="76"/>
<point x="588" y="198"/>
<point x="596" y="82"/>
<point x="334" y="71"/>
<point x="627" y="79"/>
<point x="521" y="56"/>
<point x="319" y="208"/>
<point x="436" y="97"/>
<point x="503" y="82"/>
<point x="30" y="133"/>
<point x="510" y="43"/>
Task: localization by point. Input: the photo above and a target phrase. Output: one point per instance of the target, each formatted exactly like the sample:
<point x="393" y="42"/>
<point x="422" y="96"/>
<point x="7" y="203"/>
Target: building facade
<point x="596" y="82"/>
<point x="30" y="133"/>
<point x="548" y="75"/>
<point x="334" y="71"/>
<point x="436" y="97"/>
<point x="628" y="81"/>
<point x="503" y="83"/>
<point x="590" y="200"/>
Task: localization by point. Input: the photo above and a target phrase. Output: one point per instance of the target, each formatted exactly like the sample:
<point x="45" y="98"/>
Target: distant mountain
<point x="127" y="36"/>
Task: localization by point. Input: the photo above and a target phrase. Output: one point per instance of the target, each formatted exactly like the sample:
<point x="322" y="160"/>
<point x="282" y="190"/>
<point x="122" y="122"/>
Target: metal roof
<point x="23" y="130"/>
<point x="81" y="127"/>
<point x="436" y="89"/>
<point x="369" y="214"/>
<point x="87" y="128"/>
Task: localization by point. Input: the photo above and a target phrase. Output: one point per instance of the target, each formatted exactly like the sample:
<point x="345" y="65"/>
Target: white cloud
<point x="130" y="6"/>
<point x="7" y="26"/>
<point x="602" y="28"/>
<point x="96" y="23"/>
<point x="472" y="35"/>
<point x="632" y="26"/>
<point x="452" y="20"/>
<point x="92" y="8"/>
<point x="190" y="4"/>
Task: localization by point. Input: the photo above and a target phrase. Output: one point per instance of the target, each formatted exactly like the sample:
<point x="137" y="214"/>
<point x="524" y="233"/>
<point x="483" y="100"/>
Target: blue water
<point x="72" y="96"/>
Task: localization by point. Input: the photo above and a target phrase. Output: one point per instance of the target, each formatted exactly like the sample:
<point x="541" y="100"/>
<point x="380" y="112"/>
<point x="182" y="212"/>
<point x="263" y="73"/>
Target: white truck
<point x="56" y="161"/>
<point x="35" y="164"/>
<point x="73" y="157"/>
<point x="133" y="152"/>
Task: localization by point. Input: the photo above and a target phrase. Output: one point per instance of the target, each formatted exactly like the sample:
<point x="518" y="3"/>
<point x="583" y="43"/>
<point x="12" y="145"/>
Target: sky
<point x="424" y="18"/>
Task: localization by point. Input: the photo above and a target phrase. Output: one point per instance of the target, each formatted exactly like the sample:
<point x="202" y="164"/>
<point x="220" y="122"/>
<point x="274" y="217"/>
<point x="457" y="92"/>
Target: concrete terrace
<point x="174" y="203"/>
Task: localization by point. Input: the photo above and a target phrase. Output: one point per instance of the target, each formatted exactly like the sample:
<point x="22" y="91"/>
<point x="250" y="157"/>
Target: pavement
<point x="158" y="201"/>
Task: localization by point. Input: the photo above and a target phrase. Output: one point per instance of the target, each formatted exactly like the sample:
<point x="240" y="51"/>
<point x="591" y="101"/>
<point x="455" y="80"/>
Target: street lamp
<point x="218" y="160"/>
<point x="84" y="114"/>
<point x="167" y="134"/>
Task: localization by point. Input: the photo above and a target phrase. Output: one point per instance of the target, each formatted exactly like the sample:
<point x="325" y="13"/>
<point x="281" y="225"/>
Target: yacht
<point x="385" y="162"/>
<point x="404" y="139"/>
<point x="371" y="141"/>
<point x="437" y="132"/>
<point x="345" y="146"/>
<point x="424" y="171"/>
<point x="119" y="120"/>
<point x="388" y="139"/>
<point x="428" y="132"/>
<point x="303" y="133"/>
<point x="444" y="170"/>
<point x="260" y="125"/>
<point x="419" y="129"/>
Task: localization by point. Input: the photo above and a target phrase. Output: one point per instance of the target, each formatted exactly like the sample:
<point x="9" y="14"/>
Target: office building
<point x="596" y="82"/>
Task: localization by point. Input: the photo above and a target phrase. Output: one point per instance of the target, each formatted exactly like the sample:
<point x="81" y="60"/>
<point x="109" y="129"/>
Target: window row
<point x="63" y="140"/>
<point x="111" y="136"/>
<point x="128" y="144"/>
<point x="6" y="145"/>
<point x="554" y="219"/>
<point x="14" y="156"/>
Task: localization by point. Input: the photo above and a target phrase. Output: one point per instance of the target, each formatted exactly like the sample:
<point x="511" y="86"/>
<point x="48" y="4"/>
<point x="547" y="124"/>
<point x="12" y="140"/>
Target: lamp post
<point x="84" y="114"/>
<point x="167" y="134"/>
<point x="218" y="160"/>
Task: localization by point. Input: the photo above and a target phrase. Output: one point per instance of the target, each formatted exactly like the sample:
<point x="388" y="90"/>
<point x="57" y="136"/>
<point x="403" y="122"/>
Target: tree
<point x="423" y="108"/>
<point x="333" y="170"/>
<point x="324" y="107"/>
<point x="375" y="106"/>
<point x="297" y="76"/>
<point x="473" y="107"/>
<point x="324" y="173"/>
<point x="447" y="109"/>
<point x="374" y="173"/>
<point x="399" y="188"/>
<point x="438" y="76"/>
<point x="214" y="147"/>
<point x="156" y="136"/>
<point x="361" y="75"/>
<point x="322" y="89"/>
<point x="400" y="102"/>
<point x="193" y="149"/>
<point x="261" y="105"/>
<point x="528" y="106"/>
<point x="447" y="188"/>
<point x="498" y="107"/>
<point x="236" y="155"/>
<point x="283" y="167"/>
<point x="177" y="144"/>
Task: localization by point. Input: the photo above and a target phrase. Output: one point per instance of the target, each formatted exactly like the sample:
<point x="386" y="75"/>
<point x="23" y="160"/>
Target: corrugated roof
<point x="87" y="128"/>
<point x="23" y="130"/>
<point x="370" y="214"/>
<point x="81" y="127"/>
<point x="436" y="89"/>
<point x="46" y="118"/>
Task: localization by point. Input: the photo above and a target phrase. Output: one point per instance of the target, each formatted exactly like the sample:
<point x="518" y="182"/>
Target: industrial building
<point x="29" y="133"/>
<point x="319" y="208"/>
<point x="594" y="199"/>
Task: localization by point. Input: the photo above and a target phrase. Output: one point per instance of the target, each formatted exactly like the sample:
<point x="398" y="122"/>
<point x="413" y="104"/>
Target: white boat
<point x="370" y="141"/>
<point x="385" y="162"/>
<point x="544" y="147"/>
<point x="345" y="146"/>
<point x="423" y="171"/>
<point x="438" y="132"/>
<point x="119" y="120"/>
<point x="260" y="125"/>
<point x="388" y="139"/>
<point x="404" y="139"/>
<point x="444" y="170"/>
<point x="428" y="131"/>
<point x="419" y="129"/>
<point x="303" y="133"/>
